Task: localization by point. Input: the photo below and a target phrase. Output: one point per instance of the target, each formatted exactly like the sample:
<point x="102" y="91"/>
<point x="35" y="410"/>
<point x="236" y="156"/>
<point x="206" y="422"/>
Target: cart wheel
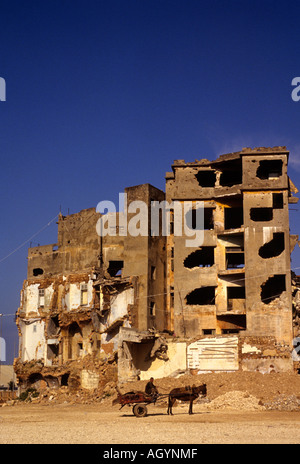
<point x="140" y="410"/>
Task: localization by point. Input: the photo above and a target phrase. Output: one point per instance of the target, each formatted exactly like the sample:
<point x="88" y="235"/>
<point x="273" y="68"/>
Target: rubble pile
<point x="284" y="403"/>
<point x="47" y="389"/>
<point x="233" y="400"/>
<point x="238" y="390"/>
<point x="64" y="395"/>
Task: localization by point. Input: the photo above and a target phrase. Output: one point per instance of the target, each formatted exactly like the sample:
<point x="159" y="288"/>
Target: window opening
<point x="115" y="268"/>
<point x="64" y="380"/>
<point x="53" y="326"/>
<point x="277" y="200"/>
<point x="83" y="295"/>
<point x="236" y="298"/>
<point x="234" y="218"/>
<point x="80" y="349"/>
<point x="191" y="219"/>
<point x="232" y="174"/>
<point x="232" y="323"/>
<point x="234" y="258"/>
<point x="52" y="351"/>
<point x="41" y="297"/>
<point x="261" y="214"/>
<point x="208" y="331"/>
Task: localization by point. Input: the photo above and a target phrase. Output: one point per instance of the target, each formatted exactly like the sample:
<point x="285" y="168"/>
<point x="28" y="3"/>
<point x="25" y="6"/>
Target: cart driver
<point x="151" y="389"/>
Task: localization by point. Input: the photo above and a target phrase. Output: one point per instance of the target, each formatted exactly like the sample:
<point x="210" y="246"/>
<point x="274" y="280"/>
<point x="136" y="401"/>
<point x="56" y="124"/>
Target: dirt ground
<point x="239" y="408"/>
<point x="92" y="424"/>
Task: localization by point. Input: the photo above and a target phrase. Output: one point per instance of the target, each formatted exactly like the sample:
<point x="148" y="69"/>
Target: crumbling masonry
<point x="95" y="309"/>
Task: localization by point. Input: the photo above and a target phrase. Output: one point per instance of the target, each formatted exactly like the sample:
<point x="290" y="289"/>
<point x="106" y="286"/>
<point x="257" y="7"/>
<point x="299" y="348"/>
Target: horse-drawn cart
<point x="137" y="399"/>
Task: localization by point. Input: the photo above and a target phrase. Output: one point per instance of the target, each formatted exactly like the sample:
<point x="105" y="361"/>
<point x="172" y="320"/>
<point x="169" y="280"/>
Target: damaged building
<point x="238" y="282"/>
<point x="148" y="305"/>
<point x="80" y="291"/>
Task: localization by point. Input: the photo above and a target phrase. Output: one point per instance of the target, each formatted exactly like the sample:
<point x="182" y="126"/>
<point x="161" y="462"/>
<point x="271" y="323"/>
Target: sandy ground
<point x="95" y="424"/>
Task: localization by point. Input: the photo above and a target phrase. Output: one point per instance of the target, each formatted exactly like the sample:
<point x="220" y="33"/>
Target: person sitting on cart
<point x="151" y="389"/>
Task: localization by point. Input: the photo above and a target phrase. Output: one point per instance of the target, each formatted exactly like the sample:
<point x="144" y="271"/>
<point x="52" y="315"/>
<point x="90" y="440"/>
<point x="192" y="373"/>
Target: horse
<point x="186" y="394"/>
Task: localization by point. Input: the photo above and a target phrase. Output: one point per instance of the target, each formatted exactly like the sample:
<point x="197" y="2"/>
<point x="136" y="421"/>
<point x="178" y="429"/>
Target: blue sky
<point x="106" y="94"/>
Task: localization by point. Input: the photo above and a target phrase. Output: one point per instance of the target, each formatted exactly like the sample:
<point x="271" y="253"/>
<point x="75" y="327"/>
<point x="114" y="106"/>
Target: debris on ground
<point x="234" y="400"/>
<point x="225" y="390"/>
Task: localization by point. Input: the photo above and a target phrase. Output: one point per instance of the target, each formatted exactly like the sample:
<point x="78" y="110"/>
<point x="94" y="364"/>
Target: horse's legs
<point x="170" y="404"/>
<point x="191" y="407"/>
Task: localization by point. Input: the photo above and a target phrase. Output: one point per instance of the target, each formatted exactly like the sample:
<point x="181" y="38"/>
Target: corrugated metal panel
<point x="214" y="354"/>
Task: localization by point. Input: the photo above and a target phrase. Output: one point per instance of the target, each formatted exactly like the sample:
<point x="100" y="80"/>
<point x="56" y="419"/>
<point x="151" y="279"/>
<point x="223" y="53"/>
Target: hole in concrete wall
<point x="234" y="218"/>
<point x="277" y="200"/>
<point x="206" y="178"/>
<point x="191" y="219"/>
<point x="115" y="268"/>
<point x="153" y="272"/>
<point x="200" y="258"/>
<point x="201" y="296"/>
<point x="272" y="288"/>
<point x="152" y="308"/>
<point x="273" y="248"/>
<point x="74" y="329"/>
<point x="269" y="169"/>
<point x="37" y="271"/>
<point x="261" y="214"/>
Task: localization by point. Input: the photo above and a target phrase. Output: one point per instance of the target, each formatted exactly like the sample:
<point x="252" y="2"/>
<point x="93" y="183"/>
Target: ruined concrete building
<point x="156" y="305"/>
